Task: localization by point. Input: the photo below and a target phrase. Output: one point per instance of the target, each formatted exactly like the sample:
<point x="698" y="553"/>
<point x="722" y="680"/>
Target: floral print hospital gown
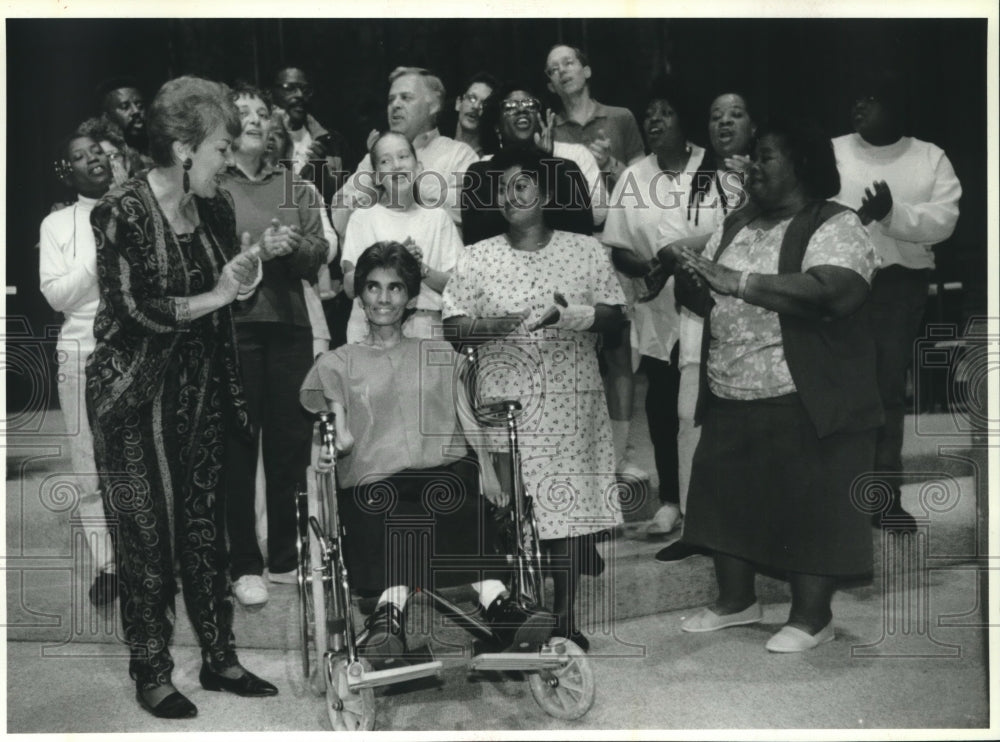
<point x="567" y="455"/>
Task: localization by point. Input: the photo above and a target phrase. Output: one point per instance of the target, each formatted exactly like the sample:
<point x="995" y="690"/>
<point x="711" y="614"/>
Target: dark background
<point x="800" y="65"/>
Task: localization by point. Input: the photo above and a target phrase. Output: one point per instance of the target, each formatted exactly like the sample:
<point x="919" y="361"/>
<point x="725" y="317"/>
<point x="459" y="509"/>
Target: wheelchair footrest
<point x="357" y="678"/>
<point x="545" y="659"/>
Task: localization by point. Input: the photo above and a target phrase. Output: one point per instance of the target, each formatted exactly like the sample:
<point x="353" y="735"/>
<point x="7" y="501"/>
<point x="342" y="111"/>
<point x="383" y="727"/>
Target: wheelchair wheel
<point x="312" y="606"/>
<point x="567" y="692"/>
<point x="349" y="711"/>
<point x="302" y="583"/>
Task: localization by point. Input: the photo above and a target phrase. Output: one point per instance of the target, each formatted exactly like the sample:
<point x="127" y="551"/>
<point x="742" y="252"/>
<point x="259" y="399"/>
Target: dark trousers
<point x="337" y="312"/>
<point x="661" y="414"/>
<point x="898" y="299"/>
<point x="161" y="479"/>
<point x="274" y="359"/>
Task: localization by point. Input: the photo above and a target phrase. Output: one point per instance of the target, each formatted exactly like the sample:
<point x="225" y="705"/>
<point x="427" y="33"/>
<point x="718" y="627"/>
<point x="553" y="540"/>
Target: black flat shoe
<point x="679" y="551"/>
<point x="384" y="639"/>
<point x="105" y="589"/>
<point x="518" y="629"/>
<point x="174" y="706"/>
<point x="247" y="684"/>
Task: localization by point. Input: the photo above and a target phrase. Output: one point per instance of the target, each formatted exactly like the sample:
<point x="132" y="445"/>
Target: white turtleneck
<point x="925" y="195"/>
<point x="67" y="269"/>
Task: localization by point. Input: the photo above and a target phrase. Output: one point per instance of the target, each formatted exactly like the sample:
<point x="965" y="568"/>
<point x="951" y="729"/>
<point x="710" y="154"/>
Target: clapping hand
<point x="737" y="163"/>
<point x="654" y="280"/>
<point x="413" y="248"/>
<point x="318" y="148"/>
<point x="279" y="239"/>
<point x="238" y="273"/>
<point x="552" y="314"/>
<point x="600" y="148"/>
<point x="876" y="204"/>
<point x="721" y="279"/>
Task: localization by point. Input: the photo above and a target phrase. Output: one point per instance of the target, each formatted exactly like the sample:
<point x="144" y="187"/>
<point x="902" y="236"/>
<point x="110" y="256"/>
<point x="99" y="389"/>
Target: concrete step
<point x="48" y="569"/>
<point x="47" y="601"/>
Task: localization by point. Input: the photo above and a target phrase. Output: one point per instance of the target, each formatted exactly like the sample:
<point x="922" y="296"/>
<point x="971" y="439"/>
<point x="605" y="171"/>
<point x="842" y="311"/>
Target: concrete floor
<point x="905" y="658"/>
<point x="649" y="676"/>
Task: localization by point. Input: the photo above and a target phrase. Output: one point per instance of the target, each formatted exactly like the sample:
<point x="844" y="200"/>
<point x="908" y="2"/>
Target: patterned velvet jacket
<point x="143" y="274"/>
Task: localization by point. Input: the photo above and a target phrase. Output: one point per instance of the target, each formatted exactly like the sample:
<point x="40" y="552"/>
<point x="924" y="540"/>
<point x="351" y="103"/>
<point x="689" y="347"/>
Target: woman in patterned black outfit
<point x="163" y="385"/>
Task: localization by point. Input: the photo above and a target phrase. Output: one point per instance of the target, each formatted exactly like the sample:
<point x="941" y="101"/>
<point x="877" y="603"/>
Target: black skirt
<point x="766" y="489"/>
<point x="422" y="528"/>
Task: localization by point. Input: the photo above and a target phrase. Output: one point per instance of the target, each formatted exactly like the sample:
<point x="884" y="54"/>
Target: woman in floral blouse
<point x="790" y="405"/>
<point x="537" y="298"/>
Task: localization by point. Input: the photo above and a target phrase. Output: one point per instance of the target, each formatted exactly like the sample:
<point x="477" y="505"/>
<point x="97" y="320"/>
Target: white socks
<point x="397" y="595"/>
<point x="489" y="590"/>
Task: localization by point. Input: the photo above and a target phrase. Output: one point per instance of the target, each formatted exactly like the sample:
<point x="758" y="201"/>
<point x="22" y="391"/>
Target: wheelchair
<point x="559" y="674"/>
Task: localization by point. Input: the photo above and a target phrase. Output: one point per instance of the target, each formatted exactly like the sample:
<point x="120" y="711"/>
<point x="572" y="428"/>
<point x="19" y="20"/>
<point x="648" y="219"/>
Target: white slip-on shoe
<point x="791" y="639"/>
<point x="708" y="620"/>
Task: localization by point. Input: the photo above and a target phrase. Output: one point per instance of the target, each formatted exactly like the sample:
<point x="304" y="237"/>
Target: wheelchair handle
<point x="328" y="432"/>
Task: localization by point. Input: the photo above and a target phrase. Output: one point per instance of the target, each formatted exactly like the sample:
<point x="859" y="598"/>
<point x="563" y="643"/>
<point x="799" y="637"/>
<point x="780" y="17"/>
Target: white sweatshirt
<point x="925" y="195"/>
<point x="67" y="269"/>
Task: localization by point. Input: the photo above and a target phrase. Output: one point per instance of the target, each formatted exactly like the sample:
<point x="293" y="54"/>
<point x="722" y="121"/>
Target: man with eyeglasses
<point x="469" y="107"/>
<point x="319" y="154"/>
<point x="609" y="132"/>
<point x="514" y="119"/>
<point x="416" y="96"/>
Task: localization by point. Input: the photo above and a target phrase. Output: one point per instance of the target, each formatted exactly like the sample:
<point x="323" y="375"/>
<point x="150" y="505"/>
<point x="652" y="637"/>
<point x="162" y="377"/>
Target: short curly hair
<point x="101" y="130"/>
<point x="187" y="109"/>
<point x="811" y="152"/>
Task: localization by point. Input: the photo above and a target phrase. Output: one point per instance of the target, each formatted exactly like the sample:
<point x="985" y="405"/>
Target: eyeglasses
<point x="304" y="88"/>
<point x="473" y="100"/>
<point x="524" y="105"/>
<point x="554" y="69"/>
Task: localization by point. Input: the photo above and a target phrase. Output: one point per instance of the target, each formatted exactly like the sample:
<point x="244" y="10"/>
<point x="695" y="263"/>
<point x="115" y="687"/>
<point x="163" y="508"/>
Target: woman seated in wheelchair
<point x="404" y="469"/>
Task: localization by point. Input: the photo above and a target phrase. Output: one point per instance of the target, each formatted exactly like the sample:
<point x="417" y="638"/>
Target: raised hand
<point x="877" y="201"/>
<point x="543" y="137"/>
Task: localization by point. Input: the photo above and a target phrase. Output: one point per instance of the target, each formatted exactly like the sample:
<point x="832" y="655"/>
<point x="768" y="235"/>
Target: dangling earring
<point x="187" y="180"/>
<point x="499" y="137"/>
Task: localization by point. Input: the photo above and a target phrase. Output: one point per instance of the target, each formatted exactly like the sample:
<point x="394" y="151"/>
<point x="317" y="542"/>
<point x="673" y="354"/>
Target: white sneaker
<point x="284" y="578"/>
<point x="250" y="590"/>
<point x="666" y="520"/>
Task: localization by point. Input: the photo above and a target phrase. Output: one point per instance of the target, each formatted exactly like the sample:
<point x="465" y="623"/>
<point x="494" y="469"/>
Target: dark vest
<point x="832" y="362"/>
